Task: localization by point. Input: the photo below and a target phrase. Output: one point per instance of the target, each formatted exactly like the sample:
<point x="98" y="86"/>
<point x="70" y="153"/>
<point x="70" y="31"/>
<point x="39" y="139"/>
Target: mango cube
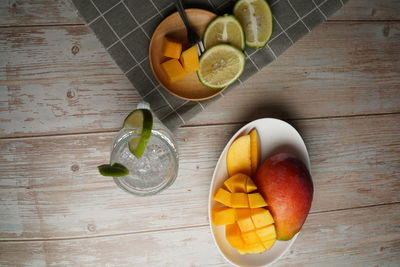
<point x="250" y="237"/>
<point x="252" y="248"/>
<point x="224" y="197"/>
<point x="250" y="186"/>
<point x="239" y="200"/>
<point x="237" y="183"/>
<point x="256" y="201"/>
<point x="190" y="59"/>
<point x="233" y="235"/>
<point x="266" y="233"/>
<point x="223" y="216"/>
<point x="171" y="48"/>
<point x="243" y="217"/>
<point x="173" y="69"/>
<point x="268" y="243"/>
<point x="261" y="217"/>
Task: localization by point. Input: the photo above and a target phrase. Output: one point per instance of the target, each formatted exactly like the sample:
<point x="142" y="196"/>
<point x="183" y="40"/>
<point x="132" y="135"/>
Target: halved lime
<point x="256" y="19"/>
<point x="221" y="65"/>
<point x="114" y="170"/>
<point x="142" y="121"/>
<point x="224" y="30"/>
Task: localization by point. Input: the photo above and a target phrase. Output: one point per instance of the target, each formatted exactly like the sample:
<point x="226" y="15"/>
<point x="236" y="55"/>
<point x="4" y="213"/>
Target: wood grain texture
<point x="337" y="70"/>
<point x="42" y="81"/>
<point x="33" y="12"/>
<point x="57" y="78"/>
<point x="369" y="10"/>
<point x="53" y="12"/>
<point x="51" y="188"/>
<point x="337" y="238"/>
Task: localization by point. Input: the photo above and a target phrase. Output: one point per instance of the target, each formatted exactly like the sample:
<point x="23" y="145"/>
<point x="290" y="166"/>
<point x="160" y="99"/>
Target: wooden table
<point x="62" y="99"/>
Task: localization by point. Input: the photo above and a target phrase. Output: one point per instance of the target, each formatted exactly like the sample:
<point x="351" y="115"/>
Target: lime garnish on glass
<point x="221" y="65"/>
<point x="114" y="170"/>
<point x="225" y="29"/>
<point x="141" y="120"/>
<point x="256" y="19"/>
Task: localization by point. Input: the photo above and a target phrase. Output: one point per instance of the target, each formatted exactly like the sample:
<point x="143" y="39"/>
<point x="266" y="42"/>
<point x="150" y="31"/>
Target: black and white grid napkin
<point x="125" y="27"/>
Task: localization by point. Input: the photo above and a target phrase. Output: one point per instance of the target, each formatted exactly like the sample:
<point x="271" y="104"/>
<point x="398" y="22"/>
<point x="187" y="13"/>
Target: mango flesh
<point x="250" y="186"/>
<point x="237" y="183"/>
<point x="261" y="217"/>
<point x="190" y="59"/>
<point x="254" y="150"/>
<point x="244" y="221"/>
<point x="286" y="185"/>
<point x="222" y="196"/>
<point x="256" y="201"/>
<point x="234" y="235"/>
<point x="239" y="200"/>
<point x="238" y="156"/>
<point x="223" y="216"/>
<point x="171" y="48"/>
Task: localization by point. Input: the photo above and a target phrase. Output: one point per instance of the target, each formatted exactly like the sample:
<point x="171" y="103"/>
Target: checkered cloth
<point x="125" y="27"/>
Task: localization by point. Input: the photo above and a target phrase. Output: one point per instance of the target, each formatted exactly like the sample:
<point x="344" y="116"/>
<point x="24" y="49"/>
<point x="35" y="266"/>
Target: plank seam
<point x="170" y="229"/>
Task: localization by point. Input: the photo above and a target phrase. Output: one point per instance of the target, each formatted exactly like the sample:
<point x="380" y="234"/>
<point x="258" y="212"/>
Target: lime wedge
<point x="225" y="29"/>
<point x="220" y="66"/>
<point x="142" y="121"/>
<point x="114" y="170"/>
<point x="256" y="19"/>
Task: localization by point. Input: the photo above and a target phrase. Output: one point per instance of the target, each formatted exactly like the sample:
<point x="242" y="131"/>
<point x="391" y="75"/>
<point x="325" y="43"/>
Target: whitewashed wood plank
<point x="52" y="12"/>
<point x="357" y="237"/>
<point x="337" y="70"/>
<point x="50" y="187"/>
<point x="369" y="10"/>
<point x="59" y="78"/>
<point x="46" y="89"/>
<point x="35" y="12"/>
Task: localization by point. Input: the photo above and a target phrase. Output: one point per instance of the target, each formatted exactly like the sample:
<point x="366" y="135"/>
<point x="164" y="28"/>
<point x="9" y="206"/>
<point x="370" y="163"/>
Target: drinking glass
<point x="156" y="169"/>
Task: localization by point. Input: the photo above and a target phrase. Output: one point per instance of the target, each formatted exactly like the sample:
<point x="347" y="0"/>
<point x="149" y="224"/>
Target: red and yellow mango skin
<point x="286" y="185"/>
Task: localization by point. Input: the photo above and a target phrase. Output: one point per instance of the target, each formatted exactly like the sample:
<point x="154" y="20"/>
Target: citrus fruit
<point x="114" y="170"/>
<point x="224" y="29"/>
<point x="221" y="65"/>
<point x="142" y="121"/>
<point x="256" y="19"/>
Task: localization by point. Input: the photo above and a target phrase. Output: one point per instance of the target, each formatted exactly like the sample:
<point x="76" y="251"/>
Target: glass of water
<point x="156" y="169"/>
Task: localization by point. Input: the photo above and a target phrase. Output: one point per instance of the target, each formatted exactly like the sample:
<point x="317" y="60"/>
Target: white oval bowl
<point x="275" y="136"/>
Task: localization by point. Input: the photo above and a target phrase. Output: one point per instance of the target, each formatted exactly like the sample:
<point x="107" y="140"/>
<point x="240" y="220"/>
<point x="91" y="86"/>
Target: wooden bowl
<point x="189" y="87"/>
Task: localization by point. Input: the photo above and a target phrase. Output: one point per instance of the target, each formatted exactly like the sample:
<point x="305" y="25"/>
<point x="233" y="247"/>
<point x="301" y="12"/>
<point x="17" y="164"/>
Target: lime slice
<point x="225" y="29"/>
<point x="256" y="19"/>
<point x="114" y="170"/>
<point x="142" y="121"/>
<point x="220" y="66"/>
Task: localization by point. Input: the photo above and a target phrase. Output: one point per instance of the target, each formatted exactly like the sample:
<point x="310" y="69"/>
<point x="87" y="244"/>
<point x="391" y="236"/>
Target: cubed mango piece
<point x="233" y="235"/>
<point x="261" y="217"/>
<point x="250" y="186"/>
<point x="252" y="248"/>
<point x="244" y="221"/>
<point x="223" y="196"/>
<point x="256" y="200"/>
<point x="173" y="69"/>
<point x="266" y="233"/>
<point x="237" y="183"/>
<point x="171" y="48"/>
<point x="250" y="237"/>
<point x="223" y="216"/>
<point x="190" y="59"/>
<point x="239" y="200"/>
<point x="268" y="243"/>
